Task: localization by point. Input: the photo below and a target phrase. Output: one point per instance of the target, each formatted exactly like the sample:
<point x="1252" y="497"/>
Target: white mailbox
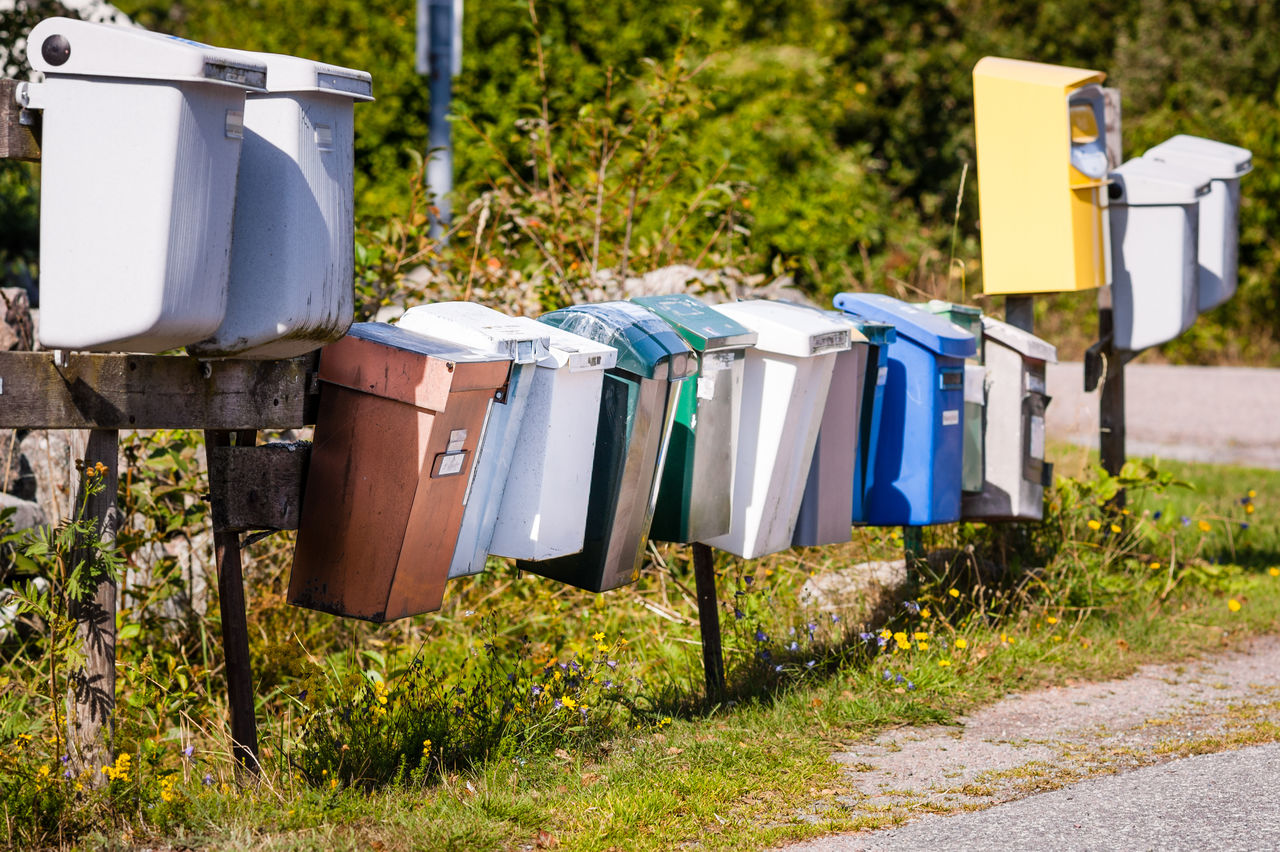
<point x="293" y="244"/>
<point x="1016" y="472"/>
<point x="1219" y="239"/>
<point x="544" y="505"/>
<point x="1155" y="277"/>
<point x="525" y="342"/>
<point x="784" y="392"/>
<point x="141" y="143"/>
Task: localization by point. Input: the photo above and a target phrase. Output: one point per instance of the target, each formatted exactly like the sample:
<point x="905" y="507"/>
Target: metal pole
<point x="441" y="62"/>
<point x="1019" y="312"/>
<point x="1111" y="425"/>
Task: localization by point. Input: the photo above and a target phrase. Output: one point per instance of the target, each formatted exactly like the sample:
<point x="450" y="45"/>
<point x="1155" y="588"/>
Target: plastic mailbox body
<point x="292" y="248"/>
<point x="1155" y="221"/>
<point x="141" y="144"/>
<point x="523" y="341"/>
<point x="826" y="508"/>
<point x="1016" y="470"/>
<point x="784" y="390"/>
<point x="970" y="319"/>
<point x="1042" y="167"/>
<point x="395" y="443"/>
<point x="879" y="335"/>
<point x="695" y="498"/>
<point x="637" y="406"/>
<point x="544" y="505"/>
<point x="919" y="458"/>
<point x="1219" y="237"/>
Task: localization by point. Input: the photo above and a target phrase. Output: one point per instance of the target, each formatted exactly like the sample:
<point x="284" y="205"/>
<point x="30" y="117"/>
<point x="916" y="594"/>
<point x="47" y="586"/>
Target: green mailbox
<point x="637" y="405"/>
<point x="969" y="318"/>
<point x="695" y="500"/>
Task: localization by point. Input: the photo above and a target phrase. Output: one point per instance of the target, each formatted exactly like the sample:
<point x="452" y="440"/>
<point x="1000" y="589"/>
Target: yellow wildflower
<point x="955" y="593"/>
<point x="1095" y="525"/>
<point x="962" y="643"/>
<point x="1057" y="638"/>
<point x="597" y="636"/>
<point x="1051" y="620"/>
<point x="43" y="771"/>
<point x="944" y="663"/>
<point x="923" y="646"/>
<point x="1248" y="508"/>
<point x="1155" y="566"/>
<point x="1204" y="526"/>
<point x="1115" y="528"/>
<point x="1253" y="493"/>
<point x="1233" y="605"/>
<point x="924" y="613"/>
<point x="886" y="633"/>
<point x="568" y="703"/>
<point x="918" y="635"/>
<point x="1274" y="572"/>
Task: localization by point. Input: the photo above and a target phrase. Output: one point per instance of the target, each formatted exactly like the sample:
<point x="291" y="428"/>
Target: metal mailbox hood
<point x="1023" y="342"/>
<point x="65" y="46"/>
<point x="294" y="74"/>
<point x="518" y="338"/>
<point x="1145" y="181"/>
<point x="701" y="327"/>
<point x="935" y="333"/>
<point x="644" y="342"/>
<point x="1218" y="160"/>
<point x="786" y="329"/>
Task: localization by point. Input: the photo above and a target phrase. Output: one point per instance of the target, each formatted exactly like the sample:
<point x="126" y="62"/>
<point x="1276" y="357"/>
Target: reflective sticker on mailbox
<point x="324" y="137"/>
<point x="882" y="375"/>
<point x="449" y="464"/>
<point x="706" y="387"/>
<point x="456" y="439"/>
<point x="235" y="124"/>
<point x="714" y="362"/>
<point x="1035" y="383"/>
<point x="1037" y="437"/>
<point x="829" y="342"/>
<point x="951" y="417"/>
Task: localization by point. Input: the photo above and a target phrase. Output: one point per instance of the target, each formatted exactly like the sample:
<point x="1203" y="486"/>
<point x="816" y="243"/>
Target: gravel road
<point x="1124" y="757"/>
<point x="1214" y="414"/>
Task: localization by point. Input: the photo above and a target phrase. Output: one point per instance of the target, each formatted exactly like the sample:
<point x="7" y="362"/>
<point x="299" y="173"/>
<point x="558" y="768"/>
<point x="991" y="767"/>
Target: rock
<point x="16" y="476"/>
<point x="26" y="514"/>
<point x="860" y="593"/>
<point x="17" y="332"/>
<point x="50" y="455"/>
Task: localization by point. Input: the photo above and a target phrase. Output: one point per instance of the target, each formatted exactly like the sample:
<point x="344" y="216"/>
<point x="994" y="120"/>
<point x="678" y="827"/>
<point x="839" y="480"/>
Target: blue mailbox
<point x="879" y="335"/>
<point x="919" y="456"/>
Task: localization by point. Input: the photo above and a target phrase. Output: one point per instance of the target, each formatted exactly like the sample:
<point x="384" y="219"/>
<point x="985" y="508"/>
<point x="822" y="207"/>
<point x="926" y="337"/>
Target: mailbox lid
<point x="877" y="333"/>
<point x="1146" y="182"/>
<point x="289" y="74"/>
<point x="1058" y="77"/>
<point x="575" y="352"/>
<point x="967" y="317"/>
<point x="702" y="327"/>
<point x="1023" y="342"/>
<point x="933" y="332"/>
<point x="394" y="363"/>
<point x="1218" y="160"/>
<point x="786" y="329"/>
<point x="106" y="50"/>
<point x="645" y="344"/>
<point x="477" y="327"/>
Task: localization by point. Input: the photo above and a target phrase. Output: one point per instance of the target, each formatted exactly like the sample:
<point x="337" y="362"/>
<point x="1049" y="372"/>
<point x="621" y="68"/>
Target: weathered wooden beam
<point x="18" y="128"/>
<point x="94" y="391"/>
<point x="704" y="576"/>
<point x="235" y="626"/>
<point x="257" y="488"/>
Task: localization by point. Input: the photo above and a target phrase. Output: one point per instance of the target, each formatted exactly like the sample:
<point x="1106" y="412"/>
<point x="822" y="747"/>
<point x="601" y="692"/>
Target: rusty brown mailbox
<point x="399" y="421"/>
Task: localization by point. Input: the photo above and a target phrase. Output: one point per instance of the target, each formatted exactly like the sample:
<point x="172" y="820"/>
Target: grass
<point x="663" y="769"/>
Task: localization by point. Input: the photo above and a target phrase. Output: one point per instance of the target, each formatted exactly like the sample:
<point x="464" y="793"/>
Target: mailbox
<point x="637" y="407"/>
<point x="524" y="342"/>
<point x="544" y="505"/>
<point x="1219" y="237"/>
<point x="141" y="143"/>
<point x="785" y="382"/>
<point x="695" y="496"/>
<point x="1016" y="470"/>
<point x="918" y="461"/>
<point x="399" y="421"/>
<point x="970" y="319"/>
<point x="292" y="247"/>
<point x="879" y="335"/>
<point x="1042" y="167"/>
<point x="1155" y="219"/>
<point x="826" y="509"/>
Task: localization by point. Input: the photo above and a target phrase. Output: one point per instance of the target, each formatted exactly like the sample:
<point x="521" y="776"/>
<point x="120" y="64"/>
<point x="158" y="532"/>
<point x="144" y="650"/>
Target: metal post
<point x="913" y="551"/>
<point x="704" y="576"/>
<point x="1019" y="312"/>
<point x="439" y="36"/>
<point x="235" y="629"/>
<point x="1111" y="425"/>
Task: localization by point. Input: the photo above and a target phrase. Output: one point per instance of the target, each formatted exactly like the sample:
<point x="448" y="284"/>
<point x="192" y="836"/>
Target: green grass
<point x="662" y="768"/>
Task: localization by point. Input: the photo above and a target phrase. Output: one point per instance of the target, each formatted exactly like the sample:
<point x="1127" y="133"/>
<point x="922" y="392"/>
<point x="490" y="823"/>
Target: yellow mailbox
<point x="1042" y="168"/>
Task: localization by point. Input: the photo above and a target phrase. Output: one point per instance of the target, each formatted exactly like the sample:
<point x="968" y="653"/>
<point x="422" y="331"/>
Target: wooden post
<point x="1111" y="426"/>
<point x="235" y="629"/>
<point x="91" y="689"/>
<point x="704" y="576"/>
<point x="1019" y="312"/>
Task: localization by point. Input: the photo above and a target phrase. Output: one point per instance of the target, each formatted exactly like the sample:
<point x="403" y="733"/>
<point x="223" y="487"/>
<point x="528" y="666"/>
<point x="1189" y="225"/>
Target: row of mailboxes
<point x="570" y="441"/>
<point x="191" y="195"/>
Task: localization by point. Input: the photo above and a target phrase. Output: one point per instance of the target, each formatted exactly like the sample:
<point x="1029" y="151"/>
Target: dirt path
<point x="1045" y="740"/>
<point x="1228" y="415"/>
